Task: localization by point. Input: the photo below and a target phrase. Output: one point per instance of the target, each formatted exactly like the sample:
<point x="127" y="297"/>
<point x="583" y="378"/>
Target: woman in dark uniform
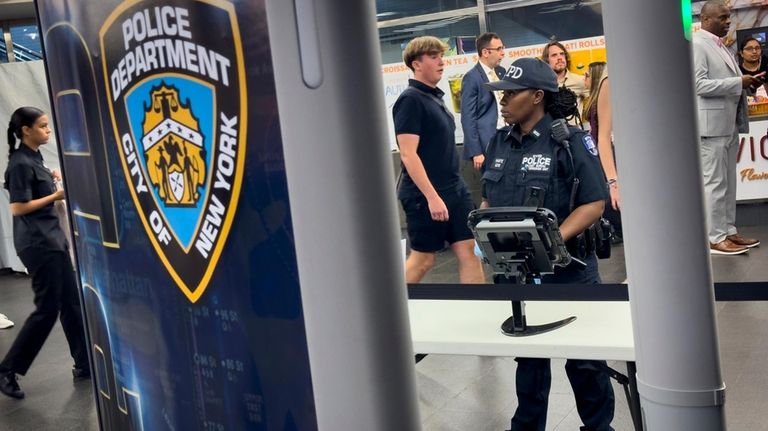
<point x="42" y="247"/>
<point x="526" y="163"/>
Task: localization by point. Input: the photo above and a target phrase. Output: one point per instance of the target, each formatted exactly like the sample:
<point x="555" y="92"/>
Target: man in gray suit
<point x="722" y="116"/>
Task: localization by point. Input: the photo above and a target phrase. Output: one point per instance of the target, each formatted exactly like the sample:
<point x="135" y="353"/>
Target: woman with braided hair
<point x="42" y="247"/>
<point x="563" y="104"/>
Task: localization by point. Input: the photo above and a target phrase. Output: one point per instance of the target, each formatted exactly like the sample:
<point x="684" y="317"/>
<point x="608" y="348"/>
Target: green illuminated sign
<point x="687" y="12"/>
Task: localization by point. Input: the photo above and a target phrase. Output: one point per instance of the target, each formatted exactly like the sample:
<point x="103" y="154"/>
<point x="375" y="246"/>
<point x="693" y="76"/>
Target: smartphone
<point x="237" y="241"/>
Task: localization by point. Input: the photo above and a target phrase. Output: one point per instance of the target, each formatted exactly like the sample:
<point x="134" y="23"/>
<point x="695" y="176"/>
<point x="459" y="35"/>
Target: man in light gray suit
<point x="722" y="116"/>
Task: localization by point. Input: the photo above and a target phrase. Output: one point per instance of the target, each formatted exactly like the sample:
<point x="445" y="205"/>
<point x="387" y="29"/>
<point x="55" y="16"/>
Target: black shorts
<point x="427" y="235"/>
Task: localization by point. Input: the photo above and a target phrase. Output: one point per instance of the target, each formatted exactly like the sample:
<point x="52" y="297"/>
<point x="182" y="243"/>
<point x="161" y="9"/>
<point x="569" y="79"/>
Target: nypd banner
<point x="177" y="96"/>
<point x="167" y="125"/>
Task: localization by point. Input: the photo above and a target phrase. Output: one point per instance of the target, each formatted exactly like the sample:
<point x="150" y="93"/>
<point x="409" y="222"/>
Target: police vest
<point x="529" y="175"/>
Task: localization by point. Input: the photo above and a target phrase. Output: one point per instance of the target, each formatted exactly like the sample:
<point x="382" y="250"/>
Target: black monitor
<point x="519" y="239"/>
<point x="759" y="33"/>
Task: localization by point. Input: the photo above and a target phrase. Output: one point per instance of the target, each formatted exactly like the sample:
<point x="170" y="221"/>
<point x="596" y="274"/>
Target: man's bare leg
<point x="417" y="265"/>
<point x="470" y="266"/>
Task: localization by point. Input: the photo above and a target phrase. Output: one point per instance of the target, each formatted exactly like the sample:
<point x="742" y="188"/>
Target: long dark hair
<point x="545" y="53"/>
<point x="24" y="116"/>
<point x="596" y="77"/>
<point x="562" y="104"/>
<point x="744" y="43"/>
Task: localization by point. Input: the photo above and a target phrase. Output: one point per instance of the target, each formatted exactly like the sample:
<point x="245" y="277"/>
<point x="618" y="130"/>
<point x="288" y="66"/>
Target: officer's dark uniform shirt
<point x="28" y="179"/>
<point x="420" y="114"/>
<point x="517" y="165"/>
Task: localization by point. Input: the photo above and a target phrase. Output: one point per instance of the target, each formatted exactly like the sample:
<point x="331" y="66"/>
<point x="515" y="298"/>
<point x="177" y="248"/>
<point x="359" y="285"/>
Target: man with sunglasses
<point x="479" y="106"/>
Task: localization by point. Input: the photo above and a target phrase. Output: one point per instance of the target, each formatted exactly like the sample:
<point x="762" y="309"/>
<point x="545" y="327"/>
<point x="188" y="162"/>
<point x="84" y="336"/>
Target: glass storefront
<point x="397" y="9"/>
<point x="458" y="22"/>
<point x="26" y="42"/>
<point x="458" y="32"/>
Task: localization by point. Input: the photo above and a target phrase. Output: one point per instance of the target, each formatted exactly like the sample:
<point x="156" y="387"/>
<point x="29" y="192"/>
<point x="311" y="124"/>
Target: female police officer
<point x="527" y="165"/>
<point x="42" y="247"/>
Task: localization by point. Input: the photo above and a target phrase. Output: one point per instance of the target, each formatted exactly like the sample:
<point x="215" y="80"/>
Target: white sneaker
<point x="4" y="322"/>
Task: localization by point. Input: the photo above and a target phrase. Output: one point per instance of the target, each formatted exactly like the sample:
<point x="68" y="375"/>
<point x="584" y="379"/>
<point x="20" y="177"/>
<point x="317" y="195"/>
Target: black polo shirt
<point x="418" y="113"/>
<point x="28" y="179"/>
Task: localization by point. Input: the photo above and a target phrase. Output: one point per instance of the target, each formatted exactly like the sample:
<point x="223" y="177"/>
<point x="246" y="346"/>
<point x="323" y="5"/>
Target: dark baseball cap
<point x="527" y="73"/>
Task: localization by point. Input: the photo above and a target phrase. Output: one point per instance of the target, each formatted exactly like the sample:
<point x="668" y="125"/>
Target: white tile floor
<point x="477" y="393"/>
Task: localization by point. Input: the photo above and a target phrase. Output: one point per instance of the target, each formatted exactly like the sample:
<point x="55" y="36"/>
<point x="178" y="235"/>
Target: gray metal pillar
<point x="342" y="197"/>
<point x="668" y="262"/>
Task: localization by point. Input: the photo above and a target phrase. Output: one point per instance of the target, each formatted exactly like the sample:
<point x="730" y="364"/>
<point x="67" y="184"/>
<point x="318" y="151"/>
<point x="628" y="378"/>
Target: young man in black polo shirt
<point x="435" y="198"/>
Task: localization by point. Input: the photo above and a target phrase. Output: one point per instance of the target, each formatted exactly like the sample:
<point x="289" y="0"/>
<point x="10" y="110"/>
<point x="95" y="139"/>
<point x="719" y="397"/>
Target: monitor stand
<point x="516" y="325"/>
<point x="521" y="244"/>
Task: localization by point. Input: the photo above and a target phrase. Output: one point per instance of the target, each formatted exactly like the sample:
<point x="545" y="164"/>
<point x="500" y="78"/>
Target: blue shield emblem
<point x="173" y="119"/>
<point x="178" y="107"/>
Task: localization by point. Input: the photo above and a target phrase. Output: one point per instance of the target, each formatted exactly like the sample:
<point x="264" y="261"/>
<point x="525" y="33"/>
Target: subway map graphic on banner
<point x="176" y="101"/>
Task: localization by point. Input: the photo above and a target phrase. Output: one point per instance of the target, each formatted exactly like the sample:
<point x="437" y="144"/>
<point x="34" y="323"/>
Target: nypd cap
<point x="527" y="73"/>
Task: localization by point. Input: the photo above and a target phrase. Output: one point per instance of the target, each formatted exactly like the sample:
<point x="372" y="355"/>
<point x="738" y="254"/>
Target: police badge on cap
<point x="527" y="73"/>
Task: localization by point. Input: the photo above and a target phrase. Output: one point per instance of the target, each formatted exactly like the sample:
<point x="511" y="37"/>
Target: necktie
<point x="492" y="77"/>
<point x="730" y="56"/>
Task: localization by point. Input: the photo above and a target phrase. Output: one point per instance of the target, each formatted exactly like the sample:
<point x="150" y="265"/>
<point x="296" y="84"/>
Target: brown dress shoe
<point x="727" y="247"/>
<point x="743" y="241"/>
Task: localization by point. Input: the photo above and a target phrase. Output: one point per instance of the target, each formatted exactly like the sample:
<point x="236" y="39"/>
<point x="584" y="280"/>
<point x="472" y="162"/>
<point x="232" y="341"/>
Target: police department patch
<point x="536" y="163"/>
<point x="589" y="144"/>
<point x="178" y="107"/>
